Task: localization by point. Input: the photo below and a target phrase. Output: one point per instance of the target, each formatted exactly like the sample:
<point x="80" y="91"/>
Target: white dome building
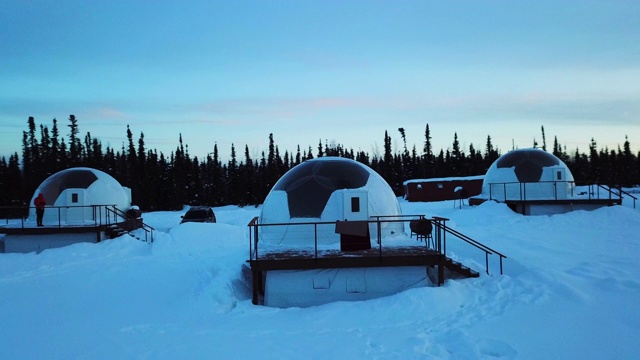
<point x="527" y="174"/>
<point x="326" y="189"/>
<point x="78" y="194"/>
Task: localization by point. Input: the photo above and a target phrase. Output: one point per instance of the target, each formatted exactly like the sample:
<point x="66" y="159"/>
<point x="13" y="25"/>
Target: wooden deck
<point x="50" y="229"/>
<point x="394" y="252"/>
<point x="328" y="259"/>
<point x="23" y="231"/>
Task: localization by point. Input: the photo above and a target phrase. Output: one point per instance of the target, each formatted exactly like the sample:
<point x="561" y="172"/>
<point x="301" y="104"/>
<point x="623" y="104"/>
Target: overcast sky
<point x="340" y="71"/>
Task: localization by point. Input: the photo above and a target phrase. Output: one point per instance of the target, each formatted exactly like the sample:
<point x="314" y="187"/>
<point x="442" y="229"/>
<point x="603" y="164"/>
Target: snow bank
<point x="570" y="290"/>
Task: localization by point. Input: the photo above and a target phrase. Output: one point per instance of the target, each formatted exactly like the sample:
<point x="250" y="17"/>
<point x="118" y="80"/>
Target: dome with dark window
<point x="310" y="184"/>
<point x="77" y="191"/>
<point x="531" y="174"/>
<point x="328" y="189"/>
<point x="527" y="164"/>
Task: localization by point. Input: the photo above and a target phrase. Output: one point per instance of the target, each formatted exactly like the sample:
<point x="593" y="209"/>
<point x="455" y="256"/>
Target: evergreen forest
<point x="169" y="181"/>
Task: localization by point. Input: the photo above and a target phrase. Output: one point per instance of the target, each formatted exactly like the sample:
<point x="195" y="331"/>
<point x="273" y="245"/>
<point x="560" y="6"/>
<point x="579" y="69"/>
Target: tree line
<point x="168" y="182"/>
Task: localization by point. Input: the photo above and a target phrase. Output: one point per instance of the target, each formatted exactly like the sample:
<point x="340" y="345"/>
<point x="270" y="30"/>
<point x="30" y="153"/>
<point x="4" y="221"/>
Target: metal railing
<point x="98" y="216"/>
<point x="516" y="190"/>
<point x="321" y="227"/>
<point x="437" y="242"/>
<point x="442" y="230"/>
<point x="620" y="192"/>
<point x="130" y="222"/>
<point x="526" y="191"/>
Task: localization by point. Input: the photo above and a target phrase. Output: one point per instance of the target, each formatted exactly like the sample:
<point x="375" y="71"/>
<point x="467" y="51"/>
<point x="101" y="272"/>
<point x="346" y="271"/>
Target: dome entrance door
<point x="355" y="205"/>
<point x="75" y="199"/>
<point x="560" y="182"/>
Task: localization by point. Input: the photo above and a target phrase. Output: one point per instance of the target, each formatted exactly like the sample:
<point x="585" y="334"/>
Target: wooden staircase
<point x="114" y="230"/>
<point x="460" y="269"/>
<point x="442" y="230"/>
<point x="129" y="223"/>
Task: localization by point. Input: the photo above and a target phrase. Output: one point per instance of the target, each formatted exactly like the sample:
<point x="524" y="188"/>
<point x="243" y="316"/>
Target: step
<point x="116" y="234"/>
<point x="460" y="268"/>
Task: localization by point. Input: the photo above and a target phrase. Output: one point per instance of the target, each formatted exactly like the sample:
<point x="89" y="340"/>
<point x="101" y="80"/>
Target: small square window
<point x="74" y="198"/>
<point x="559" y="175"/>
<point x="355" y="204"/>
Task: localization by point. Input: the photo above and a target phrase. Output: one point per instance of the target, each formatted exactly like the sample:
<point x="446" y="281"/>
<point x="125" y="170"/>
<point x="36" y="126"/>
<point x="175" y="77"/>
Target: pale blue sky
<point x="342" y="71"/>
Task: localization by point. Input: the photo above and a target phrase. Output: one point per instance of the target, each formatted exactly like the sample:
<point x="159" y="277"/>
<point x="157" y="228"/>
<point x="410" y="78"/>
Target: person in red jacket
<point x="39" y="202"/>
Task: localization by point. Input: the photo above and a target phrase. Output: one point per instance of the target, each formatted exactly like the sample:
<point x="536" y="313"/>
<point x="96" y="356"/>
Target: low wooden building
<point x="440" y="189"/>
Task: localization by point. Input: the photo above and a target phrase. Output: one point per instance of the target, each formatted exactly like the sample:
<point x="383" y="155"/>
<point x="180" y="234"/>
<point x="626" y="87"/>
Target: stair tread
<point x="461" y="269"/>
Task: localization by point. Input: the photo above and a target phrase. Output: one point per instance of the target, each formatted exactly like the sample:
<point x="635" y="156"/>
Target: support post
<point x="257" y="280"/>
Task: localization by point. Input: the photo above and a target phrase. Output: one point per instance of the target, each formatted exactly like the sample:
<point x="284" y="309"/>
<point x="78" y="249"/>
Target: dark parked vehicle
<point x="199" y="214"/>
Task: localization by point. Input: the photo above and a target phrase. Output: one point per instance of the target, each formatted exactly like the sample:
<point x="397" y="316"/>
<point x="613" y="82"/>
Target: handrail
<point x="96" y="213"/>
<point x="254" y="223"/>
<point x="517" y="191"/>
<point x="397" y="216"/>
<point x="488" y="251"/>
<point x="148" y="230"/>
<point x="110" y="216"/>
<point x="440" y="228"/>
<point x="23" y="211"/>
<point x="620" y="192"/>
<point x="522" y="189"/>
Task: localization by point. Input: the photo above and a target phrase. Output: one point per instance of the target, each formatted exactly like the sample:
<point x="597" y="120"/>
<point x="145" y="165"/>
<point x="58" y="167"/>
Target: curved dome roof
<point x="314" y="190"/>
<point x="527" y="163"/>
<point x="100" y="187"/>
<point x="310" y="184"/>
<point x="54" y="185"/>
<point x="525" y="166"/>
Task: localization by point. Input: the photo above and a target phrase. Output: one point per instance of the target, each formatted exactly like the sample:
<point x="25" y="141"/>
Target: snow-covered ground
<point x="570" y="290"/>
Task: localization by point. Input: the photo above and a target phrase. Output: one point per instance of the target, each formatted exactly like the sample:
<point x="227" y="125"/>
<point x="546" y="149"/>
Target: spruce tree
<point x="490" y="154"/>
<point x="55" y="147"/>
<point x="298" y="156"/>
<point x="428" y="157"/>
<point x="233" y="193"/>
<point x="75" y="146"/>
<point x="46" y="164"/>
<point x="594" y="163"/>
<point x="628" y="166"/>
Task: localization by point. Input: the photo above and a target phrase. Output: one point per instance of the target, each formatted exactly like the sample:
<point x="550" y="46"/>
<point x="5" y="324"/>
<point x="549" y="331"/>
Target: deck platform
<point x="396" y="250"/>
<point x="329" y="259"/>
<point x="50" y="229"/>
